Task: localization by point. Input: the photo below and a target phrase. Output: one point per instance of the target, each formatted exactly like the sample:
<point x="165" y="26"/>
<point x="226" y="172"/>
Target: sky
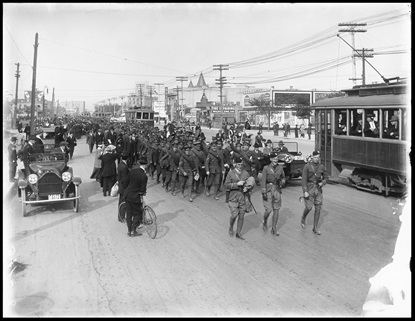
<point x="100" y="51"/>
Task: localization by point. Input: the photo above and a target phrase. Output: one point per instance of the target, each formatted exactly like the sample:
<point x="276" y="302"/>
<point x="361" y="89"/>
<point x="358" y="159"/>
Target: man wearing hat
<point x="109" y="169"/>
<point x="371" y="128"/>
<point x="273" y="178"/>
<point x="27" y="150"/>
<point x="313" y="179"/>
<point x="201" y="156"/>
<point x="160" y="168"/>
<point x="235" y="183"/>
<point x="392" y="131"/>
<point x="99" y="138"/>
<point x="268" y="147"/>
<point x="12" y="149"/>
<point x="281" y="148"/>
<point x="213" y="164"/>
<point x="172" y="169"/>
<point x="135" y="188"/>
<point x="188" y="170"/>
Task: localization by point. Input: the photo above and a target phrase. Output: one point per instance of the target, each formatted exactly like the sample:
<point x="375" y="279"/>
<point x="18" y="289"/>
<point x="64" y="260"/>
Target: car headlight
<point x="66" y="176"/>
<point x="32" y="178"/>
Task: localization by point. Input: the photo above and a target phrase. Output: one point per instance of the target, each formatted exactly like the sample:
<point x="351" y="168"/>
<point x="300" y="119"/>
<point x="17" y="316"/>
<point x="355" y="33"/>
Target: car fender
<point x="76" y="180"/>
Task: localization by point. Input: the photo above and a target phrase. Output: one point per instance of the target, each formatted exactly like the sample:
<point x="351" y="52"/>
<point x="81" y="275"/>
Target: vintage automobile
<point x="50" y="180"/>
<point x="294" y="160"/>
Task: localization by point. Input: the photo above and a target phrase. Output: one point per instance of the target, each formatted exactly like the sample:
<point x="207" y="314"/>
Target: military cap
<point x="13" y="139"/>
<point x="237" y="160"/>
<point x="247" y="143"/>
<point x="273" y="155"/>
<point x="196" y="142"/>
<point x="316" y="153"/>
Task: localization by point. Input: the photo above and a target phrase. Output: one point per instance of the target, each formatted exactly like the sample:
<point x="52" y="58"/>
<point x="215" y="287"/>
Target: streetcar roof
<point x="363" y="101"/>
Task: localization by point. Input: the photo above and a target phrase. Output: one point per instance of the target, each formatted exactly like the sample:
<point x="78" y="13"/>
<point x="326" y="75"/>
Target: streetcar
<point x="142" y="115"/>
<point x="102" y="114"/>
<point x="363" y="136"/>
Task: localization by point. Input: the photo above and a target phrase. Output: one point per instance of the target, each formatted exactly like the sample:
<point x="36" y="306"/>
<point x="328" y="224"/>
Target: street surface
<point x="84" y="264"/>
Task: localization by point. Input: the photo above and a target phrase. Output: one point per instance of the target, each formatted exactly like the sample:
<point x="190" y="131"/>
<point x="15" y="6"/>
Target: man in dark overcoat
<point x="135" y="188"/>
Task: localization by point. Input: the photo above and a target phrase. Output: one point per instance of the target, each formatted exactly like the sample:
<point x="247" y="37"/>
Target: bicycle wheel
<point x="122" y="213"/>
<point x="150" y="221"/>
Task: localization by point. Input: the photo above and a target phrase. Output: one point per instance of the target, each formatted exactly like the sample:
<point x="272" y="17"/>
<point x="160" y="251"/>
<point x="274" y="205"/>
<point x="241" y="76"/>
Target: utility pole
<point x="158" y="97"/>
<point x="43" y="103"/>
<point x="352" y="30"/>
<point x="141" y="94"/>
<point x="15" y="100"/>
<point x="53" y="102"/>
<point x="362" y="53"/>
<point x="181" y="79"/>
<point x="222" y="81"/>
<point x="150" y="88"/>
<point x="33" y="103"/>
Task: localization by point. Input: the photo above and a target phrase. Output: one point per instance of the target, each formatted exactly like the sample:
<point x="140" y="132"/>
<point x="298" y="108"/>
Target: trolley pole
<point x="363" y="54"/>
<point x="33" y="102"/>
<point x="222" y="81"/>
<point x="15" y="100"/>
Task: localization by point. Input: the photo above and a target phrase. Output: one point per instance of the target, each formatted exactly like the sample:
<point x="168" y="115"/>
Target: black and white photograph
<point x="207" y="160"/>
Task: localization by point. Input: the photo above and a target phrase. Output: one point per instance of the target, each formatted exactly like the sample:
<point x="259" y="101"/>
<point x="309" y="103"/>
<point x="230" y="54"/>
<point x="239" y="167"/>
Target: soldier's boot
<point x="264" y="221"/>
<point x="191" y="197"/>
<point x="316" y="218"/>
<point x="274" y="222"/>
<point x="216" y="192"/>
<point x="182" y="191"/>
<point x="305" y="213"/>
<point x="173" y="188"/>
<point x="207" y="191"/>
<point x="197" y="187"/>
<point x="227" y="196"/>
<point x="231" y="224"/>
<point x="239" y="227"/>
<point x="167" y="187"/>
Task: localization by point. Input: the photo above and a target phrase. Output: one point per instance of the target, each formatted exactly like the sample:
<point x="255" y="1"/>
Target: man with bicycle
<point x="135" y="188"/>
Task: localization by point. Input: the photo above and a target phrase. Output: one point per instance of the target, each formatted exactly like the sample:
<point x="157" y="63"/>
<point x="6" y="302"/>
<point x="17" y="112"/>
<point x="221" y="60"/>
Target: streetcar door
<point x="323" y="137"/>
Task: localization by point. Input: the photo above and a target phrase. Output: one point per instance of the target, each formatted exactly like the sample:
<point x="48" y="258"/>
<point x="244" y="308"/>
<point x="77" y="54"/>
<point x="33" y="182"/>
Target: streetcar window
<point x="138" y="115"/>
<point x="151" y="116"/>
<point x="356" y="122"/>
<point x="340" y="122"/>
<point x="392" y="124"/>
<point x="371" y="124"/>
<point x="145" y="115"/>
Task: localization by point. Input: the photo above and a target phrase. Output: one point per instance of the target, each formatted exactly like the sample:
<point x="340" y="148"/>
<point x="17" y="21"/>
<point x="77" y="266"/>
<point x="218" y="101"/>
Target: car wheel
<point x="76" y="201"/>
<point x="23" y="202"/>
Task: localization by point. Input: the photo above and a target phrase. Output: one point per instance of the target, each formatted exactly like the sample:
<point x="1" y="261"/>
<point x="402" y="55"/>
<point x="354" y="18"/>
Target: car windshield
<point x="291" y="146"/>
<point x="43" y="157"/>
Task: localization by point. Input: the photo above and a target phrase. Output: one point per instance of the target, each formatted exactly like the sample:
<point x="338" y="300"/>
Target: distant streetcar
<point x="141" y="115"/>
<point x="364" y="134"/>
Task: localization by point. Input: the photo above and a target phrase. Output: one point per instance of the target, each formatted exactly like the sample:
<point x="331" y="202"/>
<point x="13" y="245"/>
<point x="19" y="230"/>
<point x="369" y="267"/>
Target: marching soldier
<point x="188" y="170"/>
<point x="273" y="178"/>
<point x="213" y="166"/>
<point x="198" y="152"/>
<point x="313" y="179"/>
<point x="12" y="149"/>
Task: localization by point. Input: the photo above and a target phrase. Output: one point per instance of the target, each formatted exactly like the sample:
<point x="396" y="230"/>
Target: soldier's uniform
<point x="213" y="166"/>
<point x="188" y="168"/>
<point x="272" y="178"/>
<point x="314" y="177"/>
<point x="196" y="150"/>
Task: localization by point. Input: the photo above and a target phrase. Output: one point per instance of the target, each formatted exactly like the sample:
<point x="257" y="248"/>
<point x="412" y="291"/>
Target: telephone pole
<point x="15" y="100"/>
<point x="352" y="31"/>
<point x="141" y="94"/>
<point x="150" y="89"/>
<point x="53" y="103"/>
<point x="222" y="81"/>
<point x="362" y="53"/>
<point x="181" y="79"/>
<point x="33" y="103"/>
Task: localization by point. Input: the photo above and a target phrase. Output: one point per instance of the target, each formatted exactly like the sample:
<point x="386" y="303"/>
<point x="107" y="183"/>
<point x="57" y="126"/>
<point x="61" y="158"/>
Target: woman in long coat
<point x="97" y="172"/>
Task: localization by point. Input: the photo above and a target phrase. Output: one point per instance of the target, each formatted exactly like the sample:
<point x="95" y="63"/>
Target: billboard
<point x="160" y="108"/>
<point x="292" y="98"/>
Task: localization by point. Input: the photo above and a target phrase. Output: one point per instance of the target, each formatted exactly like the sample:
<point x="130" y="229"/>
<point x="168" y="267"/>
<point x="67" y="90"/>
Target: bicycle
<point x="149" y="218"/>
